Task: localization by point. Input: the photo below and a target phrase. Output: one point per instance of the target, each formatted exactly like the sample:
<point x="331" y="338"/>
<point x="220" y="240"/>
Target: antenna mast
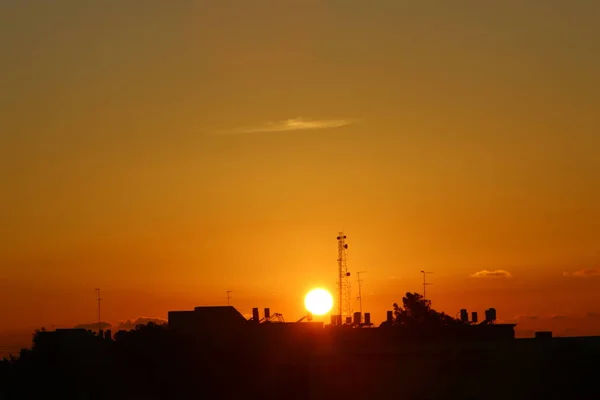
<point x="425" y="283"/>
<point x="360" y="289"/>
<point x="344" y="286"/>
<point x="98" y="300"/>
<point x="228" y="296"/>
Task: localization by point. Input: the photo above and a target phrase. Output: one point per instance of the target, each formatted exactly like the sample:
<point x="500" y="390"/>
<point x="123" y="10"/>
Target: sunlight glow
<point x="318" y="301"/>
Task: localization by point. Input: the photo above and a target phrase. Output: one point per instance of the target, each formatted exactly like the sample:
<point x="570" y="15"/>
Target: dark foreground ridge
<point x="215" y="353"/>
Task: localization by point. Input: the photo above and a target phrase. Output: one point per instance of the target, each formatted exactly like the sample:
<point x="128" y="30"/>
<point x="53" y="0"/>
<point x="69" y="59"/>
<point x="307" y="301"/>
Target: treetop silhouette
<point x="416" y="311"/>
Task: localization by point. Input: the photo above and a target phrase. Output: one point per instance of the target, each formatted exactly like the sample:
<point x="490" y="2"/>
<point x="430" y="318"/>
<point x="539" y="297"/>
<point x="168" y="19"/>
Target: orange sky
<point x="168" y="153"/>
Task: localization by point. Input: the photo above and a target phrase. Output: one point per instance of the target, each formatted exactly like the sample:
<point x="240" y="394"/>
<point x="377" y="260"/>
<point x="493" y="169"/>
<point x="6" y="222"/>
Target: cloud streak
<point x="584" y="273"/>
<point x="525" y="317"/>
<point x="498" y="273"/>
<point x="292" y="124"/>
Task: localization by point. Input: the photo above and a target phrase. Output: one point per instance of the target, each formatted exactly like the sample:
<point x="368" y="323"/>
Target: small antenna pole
<point x="425" y="283"/>
<point x="229" y="297"/>
<point x="98" y="300"/>
<point x="360" y="289"/>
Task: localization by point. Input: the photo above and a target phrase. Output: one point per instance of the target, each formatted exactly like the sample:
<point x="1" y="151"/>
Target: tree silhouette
<point x="417" y="312"/>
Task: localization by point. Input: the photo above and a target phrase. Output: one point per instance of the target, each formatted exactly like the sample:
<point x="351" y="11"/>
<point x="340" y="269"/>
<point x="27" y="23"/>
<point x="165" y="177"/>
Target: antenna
<point x="228" y="296"/>
<point x="98" y="300"/>
<point x="425" y="283"/>
<point x="344" y="298"/>
<point x="360" y="289"/>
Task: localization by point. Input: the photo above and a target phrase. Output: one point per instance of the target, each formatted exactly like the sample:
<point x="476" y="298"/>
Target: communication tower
<point x="344" y="284"/>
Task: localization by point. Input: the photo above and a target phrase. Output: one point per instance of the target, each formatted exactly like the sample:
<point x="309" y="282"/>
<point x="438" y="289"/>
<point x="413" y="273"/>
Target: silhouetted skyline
<point x="418" y="353"/>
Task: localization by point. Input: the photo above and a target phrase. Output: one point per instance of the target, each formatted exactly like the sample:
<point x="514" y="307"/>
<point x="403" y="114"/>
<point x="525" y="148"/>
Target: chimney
<point x="490" y="314"/>
<point x="357" y="318"/>
<point x="390" y="316"/>
<point x="474" y="317"/>
<point x="255" y="316"/>
<point x="464" y="315"/>
<point x="267" y="314"/>
<point x="367" y="318"/>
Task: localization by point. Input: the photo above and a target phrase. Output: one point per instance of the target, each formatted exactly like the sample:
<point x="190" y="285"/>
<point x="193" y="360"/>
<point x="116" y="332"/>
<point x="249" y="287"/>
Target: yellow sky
<point x="170" y="152"/>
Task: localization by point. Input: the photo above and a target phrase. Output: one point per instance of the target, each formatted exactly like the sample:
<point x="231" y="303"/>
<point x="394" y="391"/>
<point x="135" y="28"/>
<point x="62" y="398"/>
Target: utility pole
<point x="425" y="283"/>
<point x="228" y="296"/>
<point x="98" y="300"/>
<point x="360" y="290"/>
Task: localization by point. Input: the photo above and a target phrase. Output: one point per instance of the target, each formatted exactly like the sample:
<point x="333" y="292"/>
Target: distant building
<point x="202" y="319"/>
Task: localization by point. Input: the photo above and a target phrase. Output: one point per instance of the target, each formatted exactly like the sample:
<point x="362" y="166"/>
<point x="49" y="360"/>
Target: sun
<point x="318" y="301"/>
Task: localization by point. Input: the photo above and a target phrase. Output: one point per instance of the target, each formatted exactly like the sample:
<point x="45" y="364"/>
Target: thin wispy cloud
<point x="525" y="317"/>
<point x="558" y="317"/>
<point x="498" y="273"/>
<point x="584" y="273"/>
<point x="292" y="124"/>
<point x="554" y="317"/>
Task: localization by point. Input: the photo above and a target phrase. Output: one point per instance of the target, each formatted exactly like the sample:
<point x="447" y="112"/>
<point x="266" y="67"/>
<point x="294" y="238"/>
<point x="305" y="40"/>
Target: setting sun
<point x="318" y="301"/>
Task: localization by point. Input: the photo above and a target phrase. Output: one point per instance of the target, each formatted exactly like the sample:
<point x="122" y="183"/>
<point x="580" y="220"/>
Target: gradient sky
<point x="170" y="151"/>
